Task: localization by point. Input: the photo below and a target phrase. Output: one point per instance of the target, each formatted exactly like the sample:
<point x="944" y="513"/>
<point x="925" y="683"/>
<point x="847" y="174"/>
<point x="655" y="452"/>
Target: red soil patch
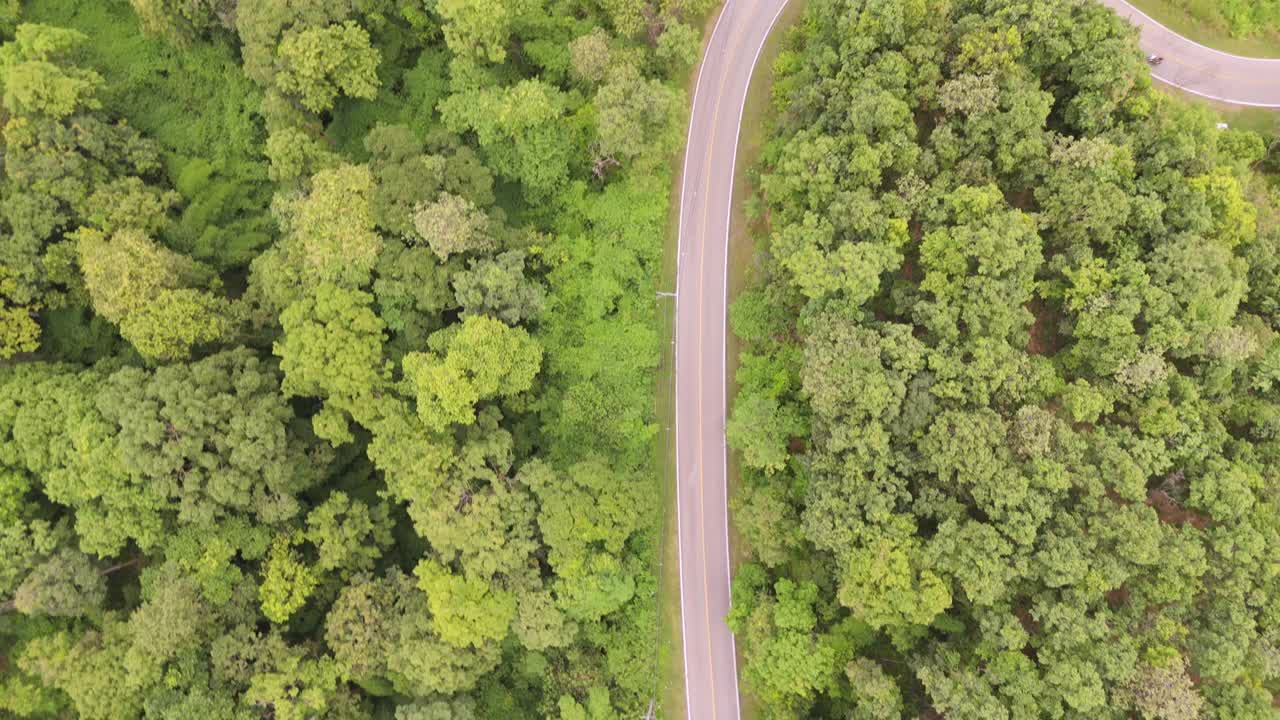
<point x="1028" y="623"/>
<point x="1044" y="336"/>
<point x="1117" y="598"/>
<point x="1168" y="510"/>
<point x="1024" y="200"/>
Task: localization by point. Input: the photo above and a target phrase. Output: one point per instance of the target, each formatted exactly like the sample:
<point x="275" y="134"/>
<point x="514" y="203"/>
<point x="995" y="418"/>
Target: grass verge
<point x="1260" y="120"/>
<point x="1263" y="121"/>
<point x="1198" y="22"/>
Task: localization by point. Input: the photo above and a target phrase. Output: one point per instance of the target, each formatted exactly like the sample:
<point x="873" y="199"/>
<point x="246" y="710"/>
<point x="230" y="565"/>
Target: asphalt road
<point x="710" y="665"/>
<point x="1204" y="71"/>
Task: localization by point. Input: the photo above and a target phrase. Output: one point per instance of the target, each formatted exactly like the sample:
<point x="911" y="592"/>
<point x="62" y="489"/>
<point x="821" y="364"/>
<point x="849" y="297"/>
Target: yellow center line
<point x="702" y="252"/>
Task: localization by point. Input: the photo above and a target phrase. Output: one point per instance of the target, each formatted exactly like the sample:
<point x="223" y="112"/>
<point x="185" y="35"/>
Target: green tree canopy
<point x="483" y="359"/>
<point x="1004" y="378"/>
<point x="318" y="64"/>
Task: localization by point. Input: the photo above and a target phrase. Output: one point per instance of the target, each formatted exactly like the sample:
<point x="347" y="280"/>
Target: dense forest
<point x="327" y="341"/>
<point x="1010" y="394"/>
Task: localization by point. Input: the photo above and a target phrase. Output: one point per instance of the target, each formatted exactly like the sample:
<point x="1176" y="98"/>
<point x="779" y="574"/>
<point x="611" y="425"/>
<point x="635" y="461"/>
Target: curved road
<point x="1203" y="71"/>
<point x="710" y="666"/>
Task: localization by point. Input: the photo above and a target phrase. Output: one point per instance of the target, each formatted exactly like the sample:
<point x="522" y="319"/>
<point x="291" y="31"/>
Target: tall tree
<point x="482" y="359"/>
<point x="318" y="64"/>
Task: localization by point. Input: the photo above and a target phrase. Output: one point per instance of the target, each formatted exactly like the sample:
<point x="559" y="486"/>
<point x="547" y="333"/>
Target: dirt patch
<point x="1116" y="498"/>
<point x="1024" y="200"/>
<point x="1117" y="598"/>
<point x="1170" y="512"/>
<point x="1028" y="623"/>
<point x="911" y="258"/>
<point x="1044" y="336"/>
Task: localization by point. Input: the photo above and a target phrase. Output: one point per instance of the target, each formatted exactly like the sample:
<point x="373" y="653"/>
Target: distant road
<point x="710" y="666"/>
<point x="1203" y="71"/>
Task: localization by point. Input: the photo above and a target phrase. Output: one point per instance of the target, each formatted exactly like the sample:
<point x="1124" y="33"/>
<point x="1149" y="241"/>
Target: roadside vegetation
<point x="327" y="346"/>
<point x="1243" y="27"/>
<point x="1009" y="391"/>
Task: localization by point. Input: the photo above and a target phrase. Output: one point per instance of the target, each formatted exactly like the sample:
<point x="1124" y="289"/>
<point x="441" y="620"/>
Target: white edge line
<point x="724" y="338"/>
<point x="1207" y="96"/>
<point x="675" y="353"/>
<point x="1186" y="39"/>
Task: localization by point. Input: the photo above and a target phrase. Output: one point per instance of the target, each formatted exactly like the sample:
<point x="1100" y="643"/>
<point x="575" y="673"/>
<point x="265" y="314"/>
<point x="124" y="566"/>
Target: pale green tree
<point x="175" y="322"/>
<point x="65" y="585"/>
<point x="125" y="273"/>
<point x="319" y="64"/>
<point x="499" y="287"/>
<point x="482" y="358"/>
<point x="452" y="225"/>
<point x="482" y="28"/>
<point x="590" y="56"/>
<point x="635" y="115"/>
<point x="39" y="77"/>
<point x="331" y="236"/>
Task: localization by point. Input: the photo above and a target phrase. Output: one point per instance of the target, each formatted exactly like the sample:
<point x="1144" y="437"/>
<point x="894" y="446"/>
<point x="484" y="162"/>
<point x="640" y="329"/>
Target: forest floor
<point x="1180" y="20"/>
